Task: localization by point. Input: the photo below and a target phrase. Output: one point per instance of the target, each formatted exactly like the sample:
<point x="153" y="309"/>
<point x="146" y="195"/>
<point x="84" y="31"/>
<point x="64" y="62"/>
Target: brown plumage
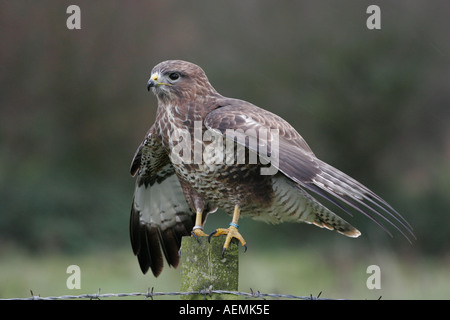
<point x="170" y="191"/>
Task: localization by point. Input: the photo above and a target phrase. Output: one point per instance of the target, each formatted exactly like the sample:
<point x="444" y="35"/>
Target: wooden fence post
<point x="202" y="266"/>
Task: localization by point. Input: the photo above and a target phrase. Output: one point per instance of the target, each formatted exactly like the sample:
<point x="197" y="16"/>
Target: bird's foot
<point x="198" y="232"/>
<point x="231" y="232"/>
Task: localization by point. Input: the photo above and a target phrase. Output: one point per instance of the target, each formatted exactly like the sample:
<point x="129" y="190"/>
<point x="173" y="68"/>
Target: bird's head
<point x="176" y="79"/>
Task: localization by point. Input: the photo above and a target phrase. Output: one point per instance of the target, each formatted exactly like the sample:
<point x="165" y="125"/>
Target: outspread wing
<point x="160" y="215"/>
<point x="296" y="161"/>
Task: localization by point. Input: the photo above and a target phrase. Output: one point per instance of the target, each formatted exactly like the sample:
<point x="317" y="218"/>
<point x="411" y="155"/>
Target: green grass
<point x="288" y="271"/>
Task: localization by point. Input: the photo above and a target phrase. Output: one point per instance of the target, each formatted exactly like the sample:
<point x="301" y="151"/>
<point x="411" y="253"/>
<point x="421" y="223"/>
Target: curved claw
<point x="195" y="236"/>
<point x="211" y="235"/>
<point x="225" y="250"/>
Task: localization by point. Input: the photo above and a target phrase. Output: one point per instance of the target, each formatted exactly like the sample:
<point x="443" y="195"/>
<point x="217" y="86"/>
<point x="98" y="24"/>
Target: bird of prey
<point x="176" y="188"/>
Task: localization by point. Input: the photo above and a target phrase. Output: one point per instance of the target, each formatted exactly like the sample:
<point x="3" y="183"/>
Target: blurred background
<point x="74" y="107"/>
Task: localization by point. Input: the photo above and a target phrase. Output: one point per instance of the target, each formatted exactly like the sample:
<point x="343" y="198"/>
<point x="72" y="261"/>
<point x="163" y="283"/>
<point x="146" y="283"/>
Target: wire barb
<point x="149" y="294"/>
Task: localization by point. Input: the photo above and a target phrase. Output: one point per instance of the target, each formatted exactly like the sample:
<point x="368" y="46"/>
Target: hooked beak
<point x="153" y="82"/>
<point x="150" y="84"/>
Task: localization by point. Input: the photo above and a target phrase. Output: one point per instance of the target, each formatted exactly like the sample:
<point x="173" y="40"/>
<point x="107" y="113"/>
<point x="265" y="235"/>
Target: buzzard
<point x="183" y="174"/>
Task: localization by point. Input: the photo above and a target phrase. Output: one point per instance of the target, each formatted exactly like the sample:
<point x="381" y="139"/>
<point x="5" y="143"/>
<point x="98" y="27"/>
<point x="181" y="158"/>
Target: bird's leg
<point x="231" y="231"/>
<point x="197" y="231"/>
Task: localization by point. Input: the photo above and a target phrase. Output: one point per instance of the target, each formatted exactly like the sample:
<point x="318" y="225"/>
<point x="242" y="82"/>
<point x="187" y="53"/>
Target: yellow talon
<point x="231" y="232"/>
<point x="197" y="231"/>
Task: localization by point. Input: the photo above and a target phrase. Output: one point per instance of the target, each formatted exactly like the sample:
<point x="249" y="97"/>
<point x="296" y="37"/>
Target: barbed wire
<point x="151" y="294"/>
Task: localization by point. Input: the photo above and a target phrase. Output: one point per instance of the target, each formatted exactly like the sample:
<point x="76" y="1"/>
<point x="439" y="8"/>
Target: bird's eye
<point x="174" y="76"/>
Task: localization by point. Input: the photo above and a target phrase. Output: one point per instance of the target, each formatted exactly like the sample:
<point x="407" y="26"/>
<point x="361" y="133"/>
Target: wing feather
<point x="160" y="215"/>
<point x="297" y="162"/>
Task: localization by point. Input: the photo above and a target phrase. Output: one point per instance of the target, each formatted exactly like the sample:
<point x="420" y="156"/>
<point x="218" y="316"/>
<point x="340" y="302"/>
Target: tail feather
<point x="325" y="218"/>
<point x="160" y="217"/>
<point x="352" y="193"/>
